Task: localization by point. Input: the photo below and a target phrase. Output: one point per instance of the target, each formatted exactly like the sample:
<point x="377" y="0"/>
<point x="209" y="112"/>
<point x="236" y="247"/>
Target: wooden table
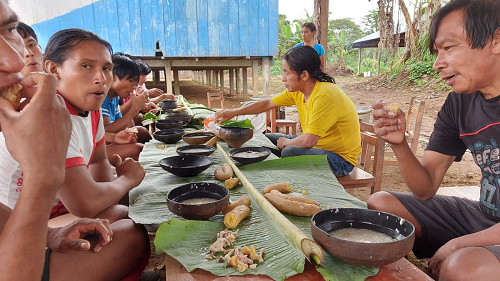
<point x="399" y="270"/>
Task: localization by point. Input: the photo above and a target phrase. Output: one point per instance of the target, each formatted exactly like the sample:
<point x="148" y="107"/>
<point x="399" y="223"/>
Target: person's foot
<point x="150" y="276"/>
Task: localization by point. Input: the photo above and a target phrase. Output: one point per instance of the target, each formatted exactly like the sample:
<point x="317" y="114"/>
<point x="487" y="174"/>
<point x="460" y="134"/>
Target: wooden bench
<point x="371" y="143"/>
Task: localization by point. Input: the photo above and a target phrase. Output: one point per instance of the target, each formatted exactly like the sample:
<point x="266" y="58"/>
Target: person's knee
<point x="290" y="151"/>
<point x="114" y="213"/>
<point x="379" y="200"/>
<point x="472" y="263"/>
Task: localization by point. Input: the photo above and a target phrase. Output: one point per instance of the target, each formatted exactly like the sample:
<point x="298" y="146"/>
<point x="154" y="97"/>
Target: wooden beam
<point x="359" y="61"/>
<point x="255" y="78"/>
<point x="245" y="83"/>
<point x="177" y="89"/>
<point x="266" y="75"/>
<point x="203" y="76"/>
<point x="168" y="76"/>
<point x="238" y="80"/>
<point x="222" y="80"/>
<point x="231" y="81"/>
<point x="216" y="74"/>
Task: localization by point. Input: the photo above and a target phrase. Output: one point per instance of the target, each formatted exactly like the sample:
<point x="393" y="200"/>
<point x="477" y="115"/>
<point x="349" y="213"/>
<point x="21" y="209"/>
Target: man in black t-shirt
<point x="459" y="234"/>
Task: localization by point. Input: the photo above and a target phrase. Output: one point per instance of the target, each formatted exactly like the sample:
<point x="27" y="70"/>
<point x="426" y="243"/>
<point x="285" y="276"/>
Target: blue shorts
<point x="339" y="166"/>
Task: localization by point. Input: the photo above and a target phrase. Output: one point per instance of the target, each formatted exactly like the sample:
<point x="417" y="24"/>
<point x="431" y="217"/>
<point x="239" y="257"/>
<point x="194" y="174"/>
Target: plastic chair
<point x="215" y="97"/>
<point x="273" y="123"/>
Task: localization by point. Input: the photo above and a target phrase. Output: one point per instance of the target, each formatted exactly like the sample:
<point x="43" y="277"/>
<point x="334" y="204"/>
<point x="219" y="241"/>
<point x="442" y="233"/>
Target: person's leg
<point x="339" y="166"/>
<point x="143" y="134"/>
<point x="273" y="137"/>
<point x="472" y="263"/>
<point x="138" y="120"/>
<point x="130" y="246"/>
<point x="131" y="150"/>
<point x="112" y="213"/>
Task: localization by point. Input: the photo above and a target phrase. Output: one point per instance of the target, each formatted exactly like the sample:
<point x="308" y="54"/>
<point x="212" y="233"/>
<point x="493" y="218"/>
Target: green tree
<point x="370" y="22"/>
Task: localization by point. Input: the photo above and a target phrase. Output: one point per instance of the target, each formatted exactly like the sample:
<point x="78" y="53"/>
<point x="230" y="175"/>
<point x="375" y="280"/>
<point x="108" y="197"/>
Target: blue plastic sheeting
<point x="184" y="28"/>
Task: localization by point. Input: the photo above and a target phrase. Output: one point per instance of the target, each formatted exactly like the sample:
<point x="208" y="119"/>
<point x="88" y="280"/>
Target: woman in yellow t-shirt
<point x="327" y="115"/>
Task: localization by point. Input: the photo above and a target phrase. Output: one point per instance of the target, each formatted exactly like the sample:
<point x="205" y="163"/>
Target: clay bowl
<point x="249" y="155"/>
<point x="168" y="135"/>
<point x="360" y="253"/>
<point x="185" y="118"/>
<point x="168" y="124"/>
<point x="170" y="112"/>
<point x="235" y="136"/>
<point x="197" y="149"/>
<point x="187" y="165"/>
<point x="198" y="190"/>
<point x="197" y="138"/>
<point x="167" y="104"/>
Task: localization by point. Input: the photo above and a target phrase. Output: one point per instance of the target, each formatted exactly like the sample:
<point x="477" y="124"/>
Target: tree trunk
<point x="321" y="22"/>
<point x="410" y="36"/>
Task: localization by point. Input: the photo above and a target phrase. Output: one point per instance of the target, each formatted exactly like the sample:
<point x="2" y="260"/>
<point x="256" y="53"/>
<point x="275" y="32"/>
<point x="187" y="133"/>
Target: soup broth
<point x="249" y="154"/>
<point x="361" y="235"/>
<point x="198" y="201"/>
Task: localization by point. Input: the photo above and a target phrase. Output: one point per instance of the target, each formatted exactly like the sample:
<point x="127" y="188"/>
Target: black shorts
<point x="46" y="265"/>
<point x="443" y="218"/>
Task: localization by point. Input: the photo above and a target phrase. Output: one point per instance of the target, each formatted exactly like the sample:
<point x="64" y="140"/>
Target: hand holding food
<point x="389" y="122"/>
<point x="394" y="107"/>
<point x="12" y="94"/>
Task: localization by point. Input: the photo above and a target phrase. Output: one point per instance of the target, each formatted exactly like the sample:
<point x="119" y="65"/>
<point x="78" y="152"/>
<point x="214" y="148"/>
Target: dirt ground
<point x="363" y="92"/>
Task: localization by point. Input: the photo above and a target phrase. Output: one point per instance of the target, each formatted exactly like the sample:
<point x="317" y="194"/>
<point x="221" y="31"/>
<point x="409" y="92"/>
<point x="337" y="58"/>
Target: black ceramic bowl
<point x="186" y="165"/>
<point x="170" y="112"/>
<point x="235" y="136"/>
<point x="167" y="104"/>
<point x="168" y="135"/>
<point x="198" y="190"/>
<point x="361" y="253"/>
<point x="249" y="155"/>
<point x="197" y="149"/>
<point x="197" y="138"/>
<point x="168" y="124"/>
<point x="185" y="118"/>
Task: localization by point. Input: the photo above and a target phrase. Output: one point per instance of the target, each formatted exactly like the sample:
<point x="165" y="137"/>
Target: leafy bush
<point x="419" y="69"/>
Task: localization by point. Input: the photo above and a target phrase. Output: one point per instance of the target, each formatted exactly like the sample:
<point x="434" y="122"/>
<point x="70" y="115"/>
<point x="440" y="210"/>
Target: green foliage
<point x="419" y="69"/>
<point x="370" y="22"/>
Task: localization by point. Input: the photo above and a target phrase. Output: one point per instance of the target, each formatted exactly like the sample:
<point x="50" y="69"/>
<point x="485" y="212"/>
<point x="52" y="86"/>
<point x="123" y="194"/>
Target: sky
<point x="355" y="9"/>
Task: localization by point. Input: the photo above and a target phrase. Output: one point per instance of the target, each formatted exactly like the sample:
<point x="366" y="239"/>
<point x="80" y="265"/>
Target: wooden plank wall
<point x="184" y="28"/>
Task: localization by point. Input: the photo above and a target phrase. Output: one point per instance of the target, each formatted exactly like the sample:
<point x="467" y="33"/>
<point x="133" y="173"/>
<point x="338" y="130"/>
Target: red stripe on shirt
<point x="100" y="142"/>
<point x="76" y="161"/>
<point x="58" y="210"/>
<point x="482" y="129"/>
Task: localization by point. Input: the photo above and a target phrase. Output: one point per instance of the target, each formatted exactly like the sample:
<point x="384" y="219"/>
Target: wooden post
<point x="266" y="75"/>
<point x="374" y="58"/>
<point x="216" y="73"/>
<point x="231" y="81"/>
<point x="168" y="76"/>
<point x="177" y="90"/>
<point x="321" y="21"/>
<point x="245" y="83"/>
<point x="255" y="78"/>
<point x="359" y="61"/>
<point x="203" y="76"/>
<point x="238" y="80"/>
<point x="222" y="80"/>
<point x="207" y="76"/>
<point x="378" y="68"/>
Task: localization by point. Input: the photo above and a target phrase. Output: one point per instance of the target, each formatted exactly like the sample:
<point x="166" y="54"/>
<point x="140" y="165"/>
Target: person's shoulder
<point x="299" y="44"/>
<point x="318" y="46"/>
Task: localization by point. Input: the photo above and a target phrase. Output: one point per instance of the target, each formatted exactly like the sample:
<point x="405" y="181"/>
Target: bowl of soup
<point x="363" y="237"/>
<point x="198" y="200"/>
<point x="249" y="155"/>
<point x="186" y="165"/>
<point x="197" y="149"/>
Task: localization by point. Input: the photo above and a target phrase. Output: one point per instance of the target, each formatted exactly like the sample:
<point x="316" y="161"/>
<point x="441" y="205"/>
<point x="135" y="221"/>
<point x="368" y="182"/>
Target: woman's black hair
<point x="481" y="19"/>
<point x="305" y="58"/>
<point x="310" y="25"/>
<point x="125" y="67"/>
<point x="26" y="31"/>
<point x="68" y="39"/>
<point x="143" y="67"/>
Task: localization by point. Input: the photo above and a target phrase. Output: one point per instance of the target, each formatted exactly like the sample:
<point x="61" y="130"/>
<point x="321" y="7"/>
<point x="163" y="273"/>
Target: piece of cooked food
<point x="281" y="187"/>
<point x="244" y="200"/>
<point x="132" y="130"/>
<point x="394" y="107"/>
<point x="223" y="173"/>
<point x="12" y="94"/>
<point x="291" y="205"/>
<point x="231" y="183"/>
<point x="235" y="216"/>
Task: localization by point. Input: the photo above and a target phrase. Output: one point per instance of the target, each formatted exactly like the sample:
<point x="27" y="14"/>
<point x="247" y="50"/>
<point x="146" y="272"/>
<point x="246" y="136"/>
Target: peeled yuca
<point x="291" y="205"/>
<point x="12" y="94"/>
<point x="281" y="187"/>
<point x="235" y="216"/>
<point x="394" y="107"/>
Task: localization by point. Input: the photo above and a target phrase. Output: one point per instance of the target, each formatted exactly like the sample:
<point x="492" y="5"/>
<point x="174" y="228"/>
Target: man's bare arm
<point x="254" y="108"/>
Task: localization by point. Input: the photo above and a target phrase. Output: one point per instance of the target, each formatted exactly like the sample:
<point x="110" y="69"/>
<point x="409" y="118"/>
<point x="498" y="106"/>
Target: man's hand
<point x="38" y="136"/>
<point x="70" y="237"/>
<point x="224" y="115"/>
<point x="150" y="106"/>
<point x="281" y="143"/>
<point x="125" y="137"/>
<point x="445" y="251"/>
<point x="138" y="100"/>
<point x="155" y="92"/>
<point x="131" y="170"/>
<point x="387" y="125"/>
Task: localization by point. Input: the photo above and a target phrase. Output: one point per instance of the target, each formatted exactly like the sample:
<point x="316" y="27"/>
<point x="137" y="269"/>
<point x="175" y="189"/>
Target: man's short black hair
<point x="481" y="19"/>
<point x="143" y="67"/>
<point x="26" y="31"/>
<point x="125" y="67"/>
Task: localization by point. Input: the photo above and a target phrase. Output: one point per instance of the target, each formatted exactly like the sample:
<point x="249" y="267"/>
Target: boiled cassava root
<point x="235" y="216"/>
<point x="281" y="187"/>
<point x="292" y="205"/>
<point x="244" y="200"/>
<point x="223" y="173"/>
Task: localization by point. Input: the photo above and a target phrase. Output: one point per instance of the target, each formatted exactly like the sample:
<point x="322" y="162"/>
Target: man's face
<point x="123" y="87"/>
<point x="85" y="76"/>
<point x="33" y="57"/>
<point x="464" y="69"/>
<point x="11" y="47"/>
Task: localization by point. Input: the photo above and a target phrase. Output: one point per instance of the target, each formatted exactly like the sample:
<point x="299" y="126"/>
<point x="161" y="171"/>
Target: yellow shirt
<point x="330" y="114"/>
